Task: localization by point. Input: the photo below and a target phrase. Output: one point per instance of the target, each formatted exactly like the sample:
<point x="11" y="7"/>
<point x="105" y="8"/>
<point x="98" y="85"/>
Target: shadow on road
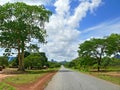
<point x="64" y="71"/>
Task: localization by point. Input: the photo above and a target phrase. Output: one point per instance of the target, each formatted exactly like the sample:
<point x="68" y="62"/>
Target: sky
<point x="73" y="22"/>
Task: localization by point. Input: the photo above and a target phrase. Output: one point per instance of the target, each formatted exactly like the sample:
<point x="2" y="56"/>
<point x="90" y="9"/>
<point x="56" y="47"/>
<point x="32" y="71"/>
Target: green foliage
<point x="3" y="61"/>
<point x="94" y="48"/>
<point x="19" y="23"/>
<point x="13" y="63"/>
<point x="106" y="62"/>
<point x="26" y="53"/>
<point x="114" y="62"/>
<point x="113" y="44"/>
<point x="35" y="60"/>
<point x="97" y="53"/>
<point x="53" y="64"/>
<point x="81" y="63"/>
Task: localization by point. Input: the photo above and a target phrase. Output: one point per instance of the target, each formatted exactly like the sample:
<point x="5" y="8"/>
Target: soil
<point x="116" y="74"/>
<point x="2" y="76"/>
<point x="37" y="85"/>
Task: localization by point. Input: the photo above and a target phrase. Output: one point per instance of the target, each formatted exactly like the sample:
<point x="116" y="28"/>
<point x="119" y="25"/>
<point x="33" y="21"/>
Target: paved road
<point x="70" y="80"/>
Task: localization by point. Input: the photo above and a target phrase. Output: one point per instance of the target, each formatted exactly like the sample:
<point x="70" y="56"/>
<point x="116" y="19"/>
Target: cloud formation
<point x="63" y="34"/>
<point x="103" y="29"/>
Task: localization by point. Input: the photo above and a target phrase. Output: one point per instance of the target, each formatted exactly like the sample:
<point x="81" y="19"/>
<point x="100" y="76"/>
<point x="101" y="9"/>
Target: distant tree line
<point x="98" y="53"/>
<point x="31" y="61"/>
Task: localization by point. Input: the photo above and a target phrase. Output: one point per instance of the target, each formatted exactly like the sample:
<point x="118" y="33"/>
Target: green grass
<point x="4" y="86"/>
<point x="112" y="79"/>
<point x="114" y="68"/>
<point x="28" y="77"/>
<point x="23" y="78"/>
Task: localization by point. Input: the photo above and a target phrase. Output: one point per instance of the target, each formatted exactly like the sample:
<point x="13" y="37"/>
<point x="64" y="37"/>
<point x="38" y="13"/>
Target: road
<point x="67" y="79"/>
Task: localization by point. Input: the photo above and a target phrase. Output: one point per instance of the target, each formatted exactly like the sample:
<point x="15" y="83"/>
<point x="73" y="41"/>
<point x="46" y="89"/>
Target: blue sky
<point x="73" y="22"/>
<point x="108" y="10"/>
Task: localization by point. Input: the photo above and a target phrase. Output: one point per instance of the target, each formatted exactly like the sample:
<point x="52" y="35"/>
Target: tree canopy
<point x="97" y="53"/>
<point x="19" y="23"/>
<point x="35" y="60"/>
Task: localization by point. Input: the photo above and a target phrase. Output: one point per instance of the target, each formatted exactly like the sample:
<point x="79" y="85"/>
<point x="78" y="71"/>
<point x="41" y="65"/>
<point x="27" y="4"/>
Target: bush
<point x="3" y="61"/>
<point x="35" y="61"/>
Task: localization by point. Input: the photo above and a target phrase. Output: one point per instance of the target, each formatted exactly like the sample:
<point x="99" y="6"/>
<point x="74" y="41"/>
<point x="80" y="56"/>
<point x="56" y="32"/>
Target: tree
<point x="54" y="64"/>
<point x="35" y="60"/>
<point x="15" y="63"/>
<point x="19" y="23"/>
<point x="33" y="48"/>
<point x="93" y="48"/>
<point x="113" y="44"/>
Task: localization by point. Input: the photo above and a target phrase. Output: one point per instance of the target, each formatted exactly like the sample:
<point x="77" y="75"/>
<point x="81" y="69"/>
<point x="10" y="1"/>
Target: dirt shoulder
<point x="2" y="76"/>
<point x="37" y="85"/>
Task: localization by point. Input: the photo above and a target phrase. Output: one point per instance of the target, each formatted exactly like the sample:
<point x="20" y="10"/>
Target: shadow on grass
<point x="40" y="71"/>
<point x="105" y="71"/>
<point x="14" y="71"/>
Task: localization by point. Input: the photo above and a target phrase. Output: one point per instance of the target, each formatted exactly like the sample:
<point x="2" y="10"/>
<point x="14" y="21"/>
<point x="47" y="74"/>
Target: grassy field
<point x="27" y="77"/>
<point x="4" y="86"/>
<point x="113" y="79"/>
<point x="111" y="74"/>
<point x="23" y="78"/>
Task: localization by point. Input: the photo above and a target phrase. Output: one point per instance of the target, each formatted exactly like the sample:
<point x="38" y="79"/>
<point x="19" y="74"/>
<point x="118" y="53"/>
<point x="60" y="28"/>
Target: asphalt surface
<point x="67" y="79"/>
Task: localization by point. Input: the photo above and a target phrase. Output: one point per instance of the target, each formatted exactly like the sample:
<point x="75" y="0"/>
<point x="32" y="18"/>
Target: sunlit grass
<point x="23" y="78"/>
<point x="4" y="86"/>
<point x="113" y="79"/>
<point x="29" y="76"/>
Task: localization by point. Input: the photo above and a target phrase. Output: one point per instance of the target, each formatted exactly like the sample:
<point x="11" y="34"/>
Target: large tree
<point x="95" y="48"/>
<point x="19" y="23"/>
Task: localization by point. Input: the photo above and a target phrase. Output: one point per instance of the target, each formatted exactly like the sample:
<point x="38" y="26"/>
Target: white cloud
<point x="103" y="29"/>
<point x="63" y="36"/>
<point x="63" y="39"/>
<point x="81" y="11"/>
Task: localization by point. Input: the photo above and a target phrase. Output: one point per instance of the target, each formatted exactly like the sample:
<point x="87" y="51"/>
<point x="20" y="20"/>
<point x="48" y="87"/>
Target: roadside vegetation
<point x="19" y="25"/>
<point x="99" y="57"/>
<point x="36" y="64"/>
<point x="28" y="77"/>
<point x="4" y="86"/>
<point x="23" y="78"/>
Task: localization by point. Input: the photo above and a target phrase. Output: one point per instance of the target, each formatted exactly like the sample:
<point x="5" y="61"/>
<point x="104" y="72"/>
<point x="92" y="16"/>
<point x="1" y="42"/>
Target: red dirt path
<point x="37" y="85"/>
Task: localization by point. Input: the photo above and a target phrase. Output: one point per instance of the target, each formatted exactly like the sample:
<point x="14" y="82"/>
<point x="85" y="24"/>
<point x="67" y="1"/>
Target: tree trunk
<point x="99" y="65"/>
<point x="22" y="58"/>
<point x="21" y="66"/>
